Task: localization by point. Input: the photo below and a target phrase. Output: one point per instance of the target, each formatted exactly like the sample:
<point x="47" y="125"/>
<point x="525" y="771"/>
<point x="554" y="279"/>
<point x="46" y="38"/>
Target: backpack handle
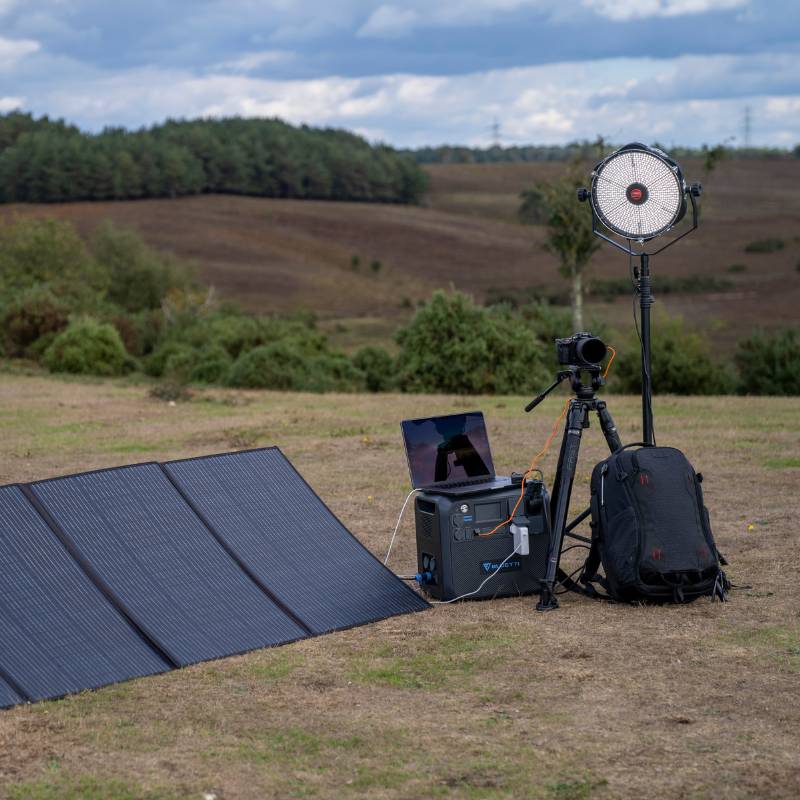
<point x="633" y="444"/>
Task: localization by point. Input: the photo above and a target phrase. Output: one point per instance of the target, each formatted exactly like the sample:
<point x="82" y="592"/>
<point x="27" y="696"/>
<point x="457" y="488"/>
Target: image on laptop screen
<point x="447" y="449"/>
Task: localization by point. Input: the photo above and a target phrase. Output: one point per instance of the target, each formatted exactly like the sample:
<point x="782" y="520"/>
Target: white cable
<point x="485" y="581"/>
<point x="396" y="527"/>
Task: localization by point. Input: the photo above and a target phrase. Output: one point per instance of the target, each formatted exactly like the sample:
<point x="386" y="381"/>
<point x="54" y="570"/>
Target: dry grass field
<point x="474" y="700"/>
<point x="284" y="255"/>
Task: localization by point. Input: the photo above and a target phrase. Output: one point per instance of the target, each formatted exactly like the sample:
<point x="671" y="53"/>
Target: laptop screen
<point x="447" y="449"/>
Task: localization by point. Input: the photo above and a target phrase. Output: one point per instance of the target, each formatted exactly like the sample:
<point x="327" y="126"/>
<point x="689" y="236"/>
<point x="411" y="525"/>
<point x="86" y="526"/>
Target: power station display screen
<point x="487" y="512"/>
<point x="447" y="450"/>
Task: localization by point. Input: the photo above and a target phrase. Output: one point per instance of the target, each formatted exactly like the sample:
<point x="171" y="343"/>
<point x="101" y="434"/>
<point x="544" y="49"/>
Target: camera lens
<point x="591" y="350"/>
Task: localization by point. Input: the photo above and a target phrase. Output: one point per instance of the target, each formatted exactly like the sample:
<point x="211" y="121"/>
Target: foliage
<point x="569" y="228"/>
<point x="769" y="363"/>
<point x="681" y="363"/>
<point x="48" y="252"/>
<point x="452" y="345"/>
<point x="378" y="368"/>
<point x="284" y="365"/>
<point x="769" y="245"/>
<point x="87" y="347"/>
<point x="139" y="278"/>
<point x="31" y="315"/>
<point x="45" y="161"/>
<point x="584" y="150"/>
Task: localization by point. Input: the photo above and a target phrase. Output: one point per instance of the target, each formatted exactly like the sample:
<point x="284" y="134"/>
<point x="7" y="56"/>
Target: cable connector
<point x="522" y="545"/>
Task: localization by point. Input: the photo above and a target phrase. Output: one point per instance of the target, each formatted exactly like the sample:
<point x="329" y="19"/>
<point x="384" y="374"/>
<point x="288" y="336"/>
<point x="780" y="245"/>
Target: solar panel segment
<point x="58" y="633"/>
<point x="130" y="528"/>
<point x="270" y="518"/>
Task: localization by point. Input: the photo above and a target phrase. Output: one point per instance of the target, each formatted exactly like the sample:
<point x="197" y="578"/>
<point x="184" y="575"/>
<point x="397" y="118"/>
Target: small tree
<point x="569" y="229"/>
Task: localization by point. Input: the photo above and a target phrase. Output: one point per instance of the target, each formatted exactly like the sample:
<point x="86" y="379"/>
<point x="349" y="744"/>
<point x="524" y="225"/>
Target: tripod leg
<point x="608" y="427"/>
<point x="562" y="489"/>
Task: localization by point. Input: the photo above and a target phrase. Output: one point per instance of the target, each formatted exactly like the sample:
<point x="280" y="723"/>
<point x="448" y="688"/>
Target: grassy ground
<point x="477" y="700"/>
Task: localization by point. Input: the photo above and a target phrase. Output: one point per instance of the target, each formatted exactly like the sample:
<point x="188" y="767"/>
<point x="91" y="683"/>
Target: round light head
<point x="638" y="192"/>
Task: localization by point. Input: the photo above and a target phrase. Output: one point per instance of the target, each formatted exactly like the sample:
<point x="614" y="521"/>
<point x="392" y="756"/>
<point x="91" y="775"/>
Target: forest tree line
<point x="50" y="161"/>
<point x="584" y="150"/>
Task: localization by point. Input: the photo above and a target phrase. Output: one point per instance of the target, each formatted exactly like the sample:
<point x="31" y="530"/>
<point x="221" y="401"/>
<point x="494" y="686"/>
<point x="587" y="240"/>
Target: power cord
<point x="394" y="533"/>
<point x="484" y="582"/>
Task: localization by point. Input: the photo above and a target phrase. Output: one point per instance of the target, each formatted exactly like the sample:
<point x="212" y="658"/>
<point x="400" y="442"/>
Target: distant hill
<point x="363" y="267"/>
<point x="47" y="161"/>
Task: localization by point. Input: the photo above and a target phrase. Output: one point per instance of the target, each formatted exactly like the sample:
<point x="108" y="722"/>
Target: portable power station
<point x="453" y="559"/>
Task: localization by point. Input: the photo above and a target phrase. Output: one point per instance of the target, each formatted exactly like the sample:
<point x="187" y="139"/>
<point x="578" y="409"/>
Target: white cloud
<point x="622" y="10"/>
<point x="11" y="104"/>
<point x="622" y="99"/>
<point x="14" y="50"/>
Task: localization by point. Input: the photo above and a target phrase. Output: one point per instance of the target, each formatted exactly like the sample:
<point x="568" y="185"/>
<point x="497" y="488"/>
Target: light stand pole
<point x="636" y="192"/>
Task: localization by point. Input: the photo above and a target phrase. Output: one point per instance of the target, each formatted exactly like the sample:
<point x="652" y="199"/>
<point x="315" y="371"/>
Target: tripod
<point x="577" y="419"/>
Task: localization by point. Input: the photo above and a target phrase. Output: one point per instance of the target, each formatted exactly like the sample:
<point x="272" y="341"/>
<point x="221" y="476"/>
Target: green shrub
<point x="36" y="252"/>
<point x="769" y="245"/>
<point x="139" y="331"/>
<point x="211" y="365"/>
<point x="283" y="365"/>
<point x="734" y="268"/>
<point x="769" y="363"/>
<point x="155" y="363"/>
<point x="34" y="314"/>
<point x="88" y="347"/>
<point x="681" y="363"/>
<point x="272" y="366"/>
<point x="452" y="345"/>
<point x="378" y="368"/>
<point x="139" y="278"/>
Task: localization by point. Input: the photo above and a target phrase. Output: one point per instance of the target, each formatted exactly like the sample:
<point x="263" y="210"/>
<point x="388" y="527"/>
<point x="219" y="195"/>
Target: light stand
<point x="613" y="214"/>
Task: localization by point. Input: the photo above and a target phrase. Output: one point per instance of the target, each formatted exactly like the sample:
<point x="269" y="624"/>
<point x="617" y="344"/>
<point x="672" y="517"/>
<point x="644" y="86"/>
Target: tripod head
<point x="582" y="390"/>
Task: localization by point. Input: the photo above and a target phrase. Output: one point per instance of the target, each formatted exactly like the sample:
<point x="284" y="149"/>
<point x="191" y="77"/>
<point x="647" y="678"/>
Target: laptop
<point x="450" y="454"/>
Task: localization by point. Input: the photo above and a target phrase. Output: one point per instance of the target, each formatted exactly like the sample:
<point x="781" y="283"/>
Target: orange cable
<point x="543" y="452"/>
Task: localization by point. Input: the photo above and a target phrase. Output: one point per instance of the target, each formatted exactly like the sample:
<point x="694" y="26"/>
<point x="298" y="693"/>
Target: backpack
<point x="651" y="531"/>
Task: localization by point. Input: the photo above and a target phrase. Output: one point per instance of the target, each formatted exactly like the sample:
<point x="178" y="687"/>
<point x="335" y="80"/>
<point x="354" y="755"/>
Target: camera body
<point x="453" y="559"/>
<point x="582" y="349"/>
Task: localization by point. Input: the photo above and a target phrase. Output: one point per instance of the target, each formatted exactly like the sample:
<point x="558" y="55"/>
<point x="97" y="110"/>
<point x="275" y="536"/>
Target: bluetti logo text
<point x="488" y="567"/>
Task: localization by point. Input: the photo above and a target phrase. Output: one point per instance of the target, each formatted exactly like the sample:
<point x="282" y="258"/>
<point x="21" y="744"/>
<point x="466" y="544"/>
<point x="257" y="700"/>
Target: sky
<point x="417" y="72"/>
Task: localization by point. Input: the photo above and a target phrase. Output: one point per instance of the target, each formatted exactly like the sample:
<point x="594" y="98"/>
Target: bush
<point x="273" y="366"/>
<point x="211" y="365"/>
<point x="35" y="315"/>
<point x="734" y="268"/>
<point x="769" y="363"/>
<point x="681" y="363"/>
<point x="284" y="365"/>
<point x="139" y="331"/>
<point x="139" y="278"/>
<point x="769" y="245"/>
<point x="452" y="345"/>
<point x="36" y="252"/>
<point x="378" y="368"/>
<point x="88" y="347"/>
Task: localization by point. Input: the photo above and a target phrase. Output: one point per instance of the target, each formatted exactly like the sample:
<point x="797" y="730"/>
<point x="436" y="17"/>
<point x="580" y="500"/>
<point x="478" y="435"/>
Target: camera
<point x="582" y="349"/>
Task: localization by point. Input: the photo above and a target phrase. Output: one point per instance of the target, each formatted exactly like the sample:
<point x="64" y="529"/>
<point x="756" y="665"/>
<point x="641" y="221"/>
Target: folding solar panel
<point x="288" y="539"/>
<point x="8" y="697"/>
<point x="130" y="529"/>
<point x="58" y="633"/>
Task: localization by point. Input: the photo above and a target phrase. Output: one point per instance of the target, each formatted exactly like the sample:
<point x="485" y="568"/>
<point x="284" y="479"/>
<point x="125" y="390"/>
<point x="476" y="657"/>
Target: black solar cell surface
<point x="8" y="697"/>
<point x="268" y="515"/>
<point x="162" y="564"/>
<point x="58" y="633"/>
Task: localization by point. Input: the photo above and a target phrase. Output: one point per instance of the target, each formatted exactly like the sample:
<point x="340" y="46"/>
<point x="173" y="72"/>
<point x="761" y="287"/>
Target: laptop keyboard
<point x="457" y="484"/>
